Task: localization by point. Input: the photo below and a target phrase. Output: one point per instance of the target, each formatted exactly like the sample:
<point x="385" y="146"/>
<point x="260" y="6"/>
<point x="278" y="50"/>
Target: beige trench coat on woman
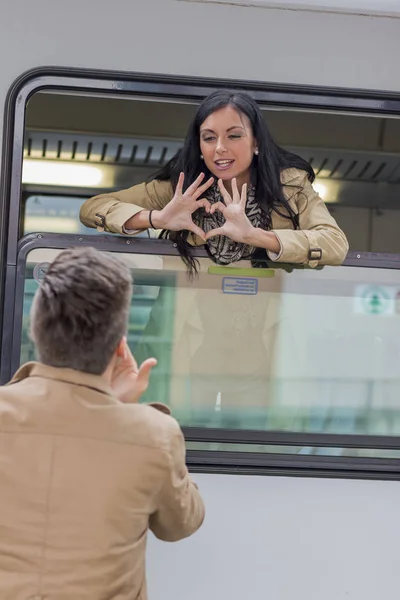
<point x="318" y="242"/>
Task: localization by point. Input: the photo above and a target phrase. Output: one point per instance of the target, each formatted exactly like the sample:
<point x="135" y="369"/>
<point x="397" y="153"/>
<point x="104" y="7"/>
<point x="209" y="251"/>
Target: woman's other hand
<point x="237" y="226"/>
<point x="177" y="214"/>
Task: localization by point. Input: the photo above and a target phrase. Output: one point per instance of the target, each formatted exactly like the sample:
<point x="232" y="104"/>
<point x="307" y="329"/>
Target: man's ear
<point x="120" y="350"/>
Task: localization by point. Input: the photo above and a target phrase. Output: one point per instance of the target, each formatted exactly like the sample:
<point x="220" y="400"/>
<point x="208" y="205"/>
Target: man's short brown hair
<point x="80" y="311"/>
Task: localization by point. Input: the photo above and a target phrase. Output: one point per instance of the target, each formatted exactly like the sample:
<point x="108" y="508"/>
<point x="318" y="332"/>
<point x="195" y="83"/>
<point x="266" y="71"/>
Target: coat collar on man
<point x="36" y="369"/>
<point x="94" y="382"/>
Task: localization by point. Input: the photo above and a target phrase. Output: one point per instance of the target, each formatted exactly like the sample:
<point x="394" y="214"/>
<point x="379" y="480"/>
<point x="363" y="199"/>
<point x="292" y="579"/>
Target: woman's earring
<point x="256" y="152"/>
<point x="202" y="157"/>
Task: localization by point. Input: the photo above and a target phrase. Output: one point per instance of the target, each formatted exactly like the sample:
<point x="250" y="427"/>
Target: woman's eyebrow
<point x="230" y="129"/>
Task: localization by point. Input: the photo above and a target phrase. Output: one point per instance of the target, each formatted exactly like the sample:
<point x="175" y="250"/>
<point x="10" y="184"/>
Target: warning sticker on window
<point x="39" y="271"/>
<point x="240" y="285"/>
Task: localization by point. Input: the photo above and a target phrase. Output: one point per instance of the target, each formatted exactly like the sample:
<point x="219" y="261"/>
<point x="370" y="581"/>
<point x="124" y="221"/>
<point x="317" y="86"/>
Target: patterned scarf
<point x="221" y="248"/>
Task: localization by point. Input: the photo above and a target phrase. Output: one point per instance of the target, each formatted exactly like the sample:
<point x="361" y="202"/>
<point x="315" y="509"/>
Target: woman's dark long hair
<point x="265" y="169"/>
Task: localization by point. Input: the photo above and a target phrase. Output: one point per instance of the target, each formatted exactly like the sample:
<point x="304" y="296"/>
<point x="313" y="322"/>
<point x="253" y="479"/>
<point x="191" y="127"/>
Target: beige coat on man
<point x="82" y="478"/>
<point x="318" y="242"/>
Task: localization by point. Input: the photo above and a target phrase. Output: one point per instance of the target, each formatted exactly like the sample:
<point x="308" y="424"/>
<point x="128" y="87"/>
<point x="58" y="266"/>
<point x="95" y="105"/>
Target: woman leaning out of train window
<point x="232" y="188"/>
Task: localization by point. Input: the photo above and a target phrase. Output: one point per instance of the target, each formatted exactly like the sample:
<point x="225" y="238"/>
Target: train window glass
<point x="312" y="351"/>
<point x="143" y="301"/>
<point x="84" y="145"/>
<point x="51" y="213"/>
<point x="56" y="214"/>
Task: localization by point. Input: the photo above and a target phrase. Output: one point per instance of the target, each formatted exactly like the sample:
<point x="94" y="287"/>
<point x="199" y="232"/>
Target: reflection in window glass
<point x="305" y="351"/>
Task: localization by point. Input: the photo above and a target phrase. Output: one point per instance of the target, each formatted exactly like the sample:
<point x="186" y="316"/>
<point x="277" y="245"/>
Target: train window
<point x="82" y="145"/>
<point x="255" y="363"/>
<point x="309" y="351"/>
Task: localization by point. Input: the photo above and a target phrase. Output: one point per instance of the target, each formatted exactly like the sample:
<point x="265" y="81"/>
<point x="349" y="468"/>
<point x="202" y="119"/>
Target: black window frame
<point x="13" y="251"/>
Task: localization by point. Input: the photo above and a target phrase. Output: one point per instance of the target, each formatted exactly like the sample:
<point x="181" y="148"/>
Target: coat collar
<point x="94" y="382"/>
<point x="36" y="369"/>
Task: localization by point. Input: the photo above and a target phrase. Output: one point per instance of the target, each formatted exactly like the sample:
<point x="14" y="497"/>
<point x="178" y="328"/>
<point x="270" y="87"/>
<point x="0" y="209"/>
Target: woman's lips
<point x="224" y="165"/>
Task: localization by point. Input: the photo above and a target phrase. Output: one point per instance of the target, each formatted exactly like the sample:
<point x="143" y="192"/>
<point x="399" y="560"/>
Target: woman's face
<point x="228" y="145"/>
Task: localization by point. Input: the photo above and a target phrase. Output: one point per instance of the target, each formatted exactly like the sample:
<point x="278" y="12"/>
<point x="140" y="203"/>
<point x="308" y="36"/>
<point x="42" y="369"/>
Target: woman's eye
<point x="208" y="139"/>
<point x="235" y="136"/>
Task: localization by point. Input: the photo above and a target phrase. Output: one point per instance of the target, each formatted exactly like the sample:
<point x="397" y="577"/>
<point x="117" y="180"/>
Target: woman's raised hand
<point x="237" y="226"/>
<point x="177" y="214"/>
